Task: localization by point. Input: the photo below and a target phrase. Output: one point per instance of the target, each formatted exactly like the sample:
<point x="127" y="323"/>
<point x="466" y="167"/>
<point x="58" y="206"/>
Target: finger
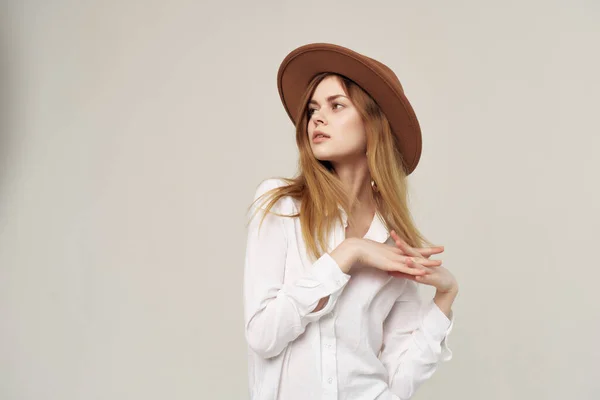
<point x="398" y="274"/>
<point x="415" y="270"/>
<point x="419" y="257"/>
<point x="402" y="265"/>
<point x="424" y="261"/>
<point x="423" y="251"/>
<point x="429" y="251"/>
<point x="399" y="254"/>
<point x="411" y="271"/>
<point x="403" y="245"/>
<point x="396" y="250"/>
<point x="403" y="260"/>
<point x="424" y="279"/>
<point x="411" y="263"/>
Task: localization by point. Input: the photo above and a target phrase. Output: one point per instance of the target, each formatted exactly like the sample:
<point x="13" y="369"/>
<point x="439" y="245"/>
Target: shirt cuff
<point x="329" y="273"/>
<point x="324" y="278"/>
<point x="436" y="324"/>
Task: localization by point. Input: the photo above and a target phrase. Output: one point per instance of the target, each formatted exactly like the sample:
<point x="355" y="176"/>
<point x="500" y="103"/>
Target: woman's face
<point x="332" y="113"/>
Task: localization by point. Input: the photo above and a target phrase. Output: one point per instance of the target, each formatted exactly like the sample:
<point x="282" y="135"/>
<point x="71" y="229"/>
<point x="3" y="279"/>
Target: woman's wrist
<point x="346" y="254"/>
<point x="445" y="299"/>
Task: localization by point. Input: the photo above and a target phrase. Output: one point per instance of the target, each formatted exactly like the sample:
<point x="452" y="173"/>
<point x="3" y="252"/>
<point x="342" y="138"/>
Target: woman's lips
<point x="319" y="139"/>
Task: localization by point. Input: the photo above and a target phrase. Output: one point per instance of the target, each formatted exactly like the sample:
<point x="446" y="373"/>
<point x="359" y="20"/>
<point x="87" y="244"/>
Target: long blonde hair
<point x="320" y="190"/>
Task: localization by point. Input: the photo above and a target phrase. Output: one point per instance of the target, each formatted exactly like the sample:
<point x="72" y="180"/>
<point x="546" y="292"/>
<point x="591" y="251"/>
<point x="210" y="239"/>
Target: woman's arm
<point x="444" y="300"/>
<point x="276" y="313"/>
<point x="415" y="340"/>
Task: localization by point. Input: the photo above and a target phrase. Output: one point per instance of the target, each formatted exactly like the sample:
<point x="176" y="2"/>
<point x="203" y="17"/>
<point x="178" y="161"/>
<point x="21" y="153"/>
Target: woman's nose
<point x="318" y="117"/>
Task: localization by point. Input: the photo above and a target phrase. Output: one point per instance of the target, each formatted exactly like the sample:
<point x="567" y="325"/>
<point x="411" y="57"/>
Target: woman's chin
<point x="322" y="155"/>
<point x="333" y="154"/>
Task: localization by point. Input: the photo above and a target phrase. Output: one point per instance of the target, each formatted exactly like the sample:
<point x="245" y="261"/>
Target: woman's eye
<point x="310" y="111"/>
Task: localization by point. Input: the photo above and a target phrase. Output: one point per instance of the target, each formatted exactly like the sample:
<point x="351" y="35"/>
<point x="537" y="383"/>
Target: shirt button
<point x="330" y="380"/>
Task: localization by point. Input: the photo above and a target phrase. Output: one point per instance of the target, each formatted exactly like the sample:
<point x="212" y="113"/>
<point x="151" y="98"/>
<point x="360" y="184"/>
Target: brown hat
<point x="379" y="81"/>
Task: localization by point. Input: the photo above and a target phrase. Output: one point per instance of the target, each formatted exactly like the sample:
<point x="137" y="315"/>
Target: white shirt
<point x="374" y="339"/>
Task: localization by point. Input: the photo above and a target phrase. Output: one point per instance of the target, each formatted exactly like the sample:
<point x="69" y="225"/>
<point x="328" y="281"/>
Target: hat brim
<point x="303" y="63"/>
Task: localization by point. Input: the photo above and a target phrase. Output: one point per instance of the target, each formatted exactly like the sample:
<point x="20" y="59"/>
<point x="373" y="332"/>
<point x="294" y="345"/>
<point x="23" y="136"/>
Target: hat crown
<point x="388" y="72"/>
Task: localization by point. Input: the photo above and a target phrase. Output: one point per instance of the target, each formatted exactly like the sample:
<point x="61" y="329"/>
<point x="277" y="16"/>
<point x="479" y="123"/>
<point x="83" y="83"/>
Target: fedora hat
<point x="379" y="81"/>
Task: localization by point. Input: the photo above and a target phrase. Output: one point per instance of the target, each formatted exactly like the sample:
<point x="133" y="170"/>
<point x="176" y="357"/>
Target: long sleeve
<point x="415" y="341"/>
<point x="277" y="312"/>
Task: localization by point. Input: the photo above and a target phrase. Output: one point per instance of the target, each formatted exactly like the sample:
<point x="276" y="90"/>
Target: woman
<point x="333" y="258"/>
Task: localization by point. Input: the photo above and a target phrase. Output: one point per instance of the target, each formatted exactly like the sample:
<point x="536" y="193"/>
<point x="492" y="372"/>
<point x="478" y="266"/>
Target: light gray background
<point x="134" y="134"/>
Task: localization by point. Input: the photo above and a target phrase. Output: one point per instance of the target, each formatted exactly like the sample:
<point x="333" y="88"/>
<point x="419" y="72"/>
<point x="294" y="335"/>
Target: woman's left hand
<point x="438" y="277"/>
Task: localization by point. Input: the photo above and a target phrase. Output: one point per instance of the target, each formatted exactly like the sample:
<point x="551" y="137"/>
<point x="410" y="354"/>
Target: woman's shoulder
<point x="268" y="184"/>
<point x="286" y="202"/>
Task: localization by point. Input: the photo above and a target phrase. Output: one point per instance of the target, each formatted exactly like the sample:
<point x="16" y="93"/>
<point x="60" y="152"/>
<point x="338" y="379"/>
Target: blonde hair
<point x="320" y="190"/>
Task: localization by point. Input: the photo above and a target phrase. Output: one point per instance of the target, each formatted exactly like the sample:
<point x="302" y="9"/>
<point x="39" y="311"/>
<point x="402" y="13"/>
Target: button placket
<point x="327" y="328"/>
<point x="328" y="353"/>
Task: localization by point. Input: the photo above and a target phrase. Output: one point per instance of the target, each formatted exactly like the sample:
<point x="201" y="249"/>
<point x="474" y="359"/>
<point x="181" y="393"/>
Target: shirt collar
<point x="377" y="231"/>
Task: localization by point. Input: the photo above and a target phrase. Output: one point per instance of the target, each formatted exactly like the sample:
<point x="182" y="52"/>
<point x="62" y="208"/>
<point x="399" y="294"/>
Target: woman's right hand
<point x="378" y="255"/>
<point x="390" y="258"/>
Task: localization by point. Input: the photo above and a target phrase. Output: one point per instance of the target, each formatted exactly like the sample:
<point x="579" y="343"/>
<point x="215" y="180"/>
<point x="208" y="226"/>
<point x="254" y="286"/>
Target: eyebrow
<point x="330" y="98"/>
